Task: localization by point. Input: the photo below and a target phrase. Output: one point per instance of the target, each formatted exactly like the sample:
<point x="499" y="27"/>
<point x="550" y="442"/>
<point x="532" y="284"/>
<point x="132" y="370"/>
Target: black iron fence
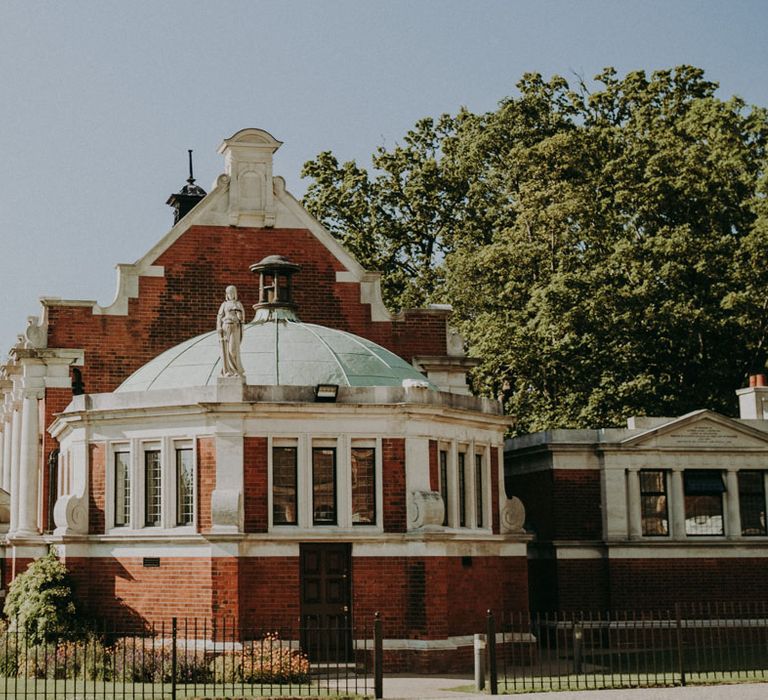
<point x="524" y="652"/>
<point x="689" y="644"/>
<point x="187" y="658"/>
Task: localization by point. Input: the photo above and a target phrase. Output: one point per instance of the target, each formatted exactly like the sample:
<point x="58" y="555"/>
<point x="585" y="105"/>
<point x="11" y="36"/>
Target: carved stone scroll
<point x="512" y="516"/>
<point x="425" y="510"/>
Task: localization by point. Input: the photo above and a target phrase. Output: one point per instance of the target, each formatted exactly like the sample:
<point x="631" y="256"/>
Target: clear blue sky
<point x="99" y="100"/>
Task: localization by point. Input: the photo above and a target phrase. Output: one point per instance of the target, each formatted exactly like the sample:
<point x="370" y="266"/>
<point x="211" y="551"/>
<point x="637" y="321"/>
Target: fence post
<point x="378" y="658"/>
<point x="479" y="647"/>
<point x="174" y="631"/>
<point x="680" y="661"/>
<point x="491" y="641"/>
<point x="578" y="646"/>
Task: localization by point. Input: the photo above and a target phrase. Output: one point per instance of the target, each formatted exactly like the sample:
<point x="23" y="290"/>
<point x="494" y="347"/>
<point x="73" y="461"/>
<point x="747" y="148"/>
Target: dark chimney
<point x="183" y="201"/>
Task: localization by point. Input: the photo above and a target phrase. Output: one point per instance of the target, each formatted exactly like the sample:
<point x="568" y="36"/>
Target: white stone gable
<point x="248" y="195"/>
<point x="700" y="430"/>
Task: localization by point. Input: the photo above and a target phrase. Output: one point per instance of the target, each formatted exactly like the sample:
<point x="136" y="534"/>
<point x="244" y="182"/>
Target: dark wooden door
<point x="326" y="602"/>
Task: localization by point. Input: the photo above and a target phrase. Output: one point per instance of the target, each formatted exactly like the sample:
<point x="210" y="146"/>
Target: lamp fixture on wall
<point x="326" y="392"/>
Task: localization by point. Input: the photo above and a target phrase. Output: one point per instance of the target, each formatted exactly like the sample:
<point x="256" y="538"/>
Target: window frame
<point x="643" y="494"/>
<point x="294" y="447"/>
<point x="443" y="478"/>
<point x="480" y="481"/>
<point x="128" y="492"/>
<point x="741" y="492"/>
<point x="137" y="449"/>
<point x="688" y="476"/>
<point x="145" y="452"/>
<point x="177" y="449"/>
<point x="461" y="486"/>
<point x="317" y="449"/>
<point x="358" y="444"/>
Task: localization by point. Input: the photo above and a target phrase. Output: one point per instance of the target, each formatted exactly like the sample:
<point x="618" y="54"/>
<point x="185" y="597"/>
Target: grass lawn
<point x="106" y="690"/>
<point x="598" y="681"/>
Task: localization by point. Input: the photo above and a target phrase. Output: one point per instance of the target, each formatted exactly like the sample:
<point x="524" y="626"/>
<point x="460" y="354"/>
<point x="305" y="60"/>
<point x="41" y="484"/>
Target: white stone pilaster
<point x="633" y="504"/>
<point x="7" y="443"/>
<point x="732" y="514"/>
<point x="227" y="498"/>
<point x="29" y="464"/>
<point x="15" y="441"/>
<point x="677" y="504"/>
<point x="2" y="451"/>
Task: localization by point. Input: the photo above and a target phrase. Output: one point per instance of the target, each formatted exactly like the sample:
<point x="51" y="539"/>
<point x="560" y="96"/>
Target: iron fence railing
<point x="188" y="658"/>
<point x="707" y="643"/>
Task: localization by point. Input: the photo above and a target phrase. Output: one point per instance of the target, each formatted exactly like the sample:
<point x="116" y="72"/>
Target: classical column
<point x="15" y="439"/>
<point x="29" y="464"/>
<point x="3" y="465"/>
<point x="633" y="498"/>
<point x="677" y="504"/>
<point x="733" y="522"/>
<point x="7" y="443"/>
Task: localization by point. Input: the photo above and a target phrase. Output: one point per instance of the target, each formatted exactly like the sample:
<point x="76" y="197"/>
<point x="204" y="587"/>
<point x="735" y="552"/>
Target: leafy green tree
<point x="40" y="601"/>
<point x="403" y="219"/>
<point x="607" y="256"/>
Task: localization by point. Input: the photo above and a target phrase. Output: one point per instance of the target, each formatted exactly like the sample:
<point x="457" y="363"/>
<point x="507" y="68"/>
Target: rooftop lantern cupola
<point x="189" y="195"/>
<point x="275" y="289"/>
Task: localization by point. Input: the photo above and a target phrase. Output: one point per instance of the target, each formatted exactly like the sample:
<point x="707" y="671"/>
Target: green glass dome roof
<point x="283" y="352"/>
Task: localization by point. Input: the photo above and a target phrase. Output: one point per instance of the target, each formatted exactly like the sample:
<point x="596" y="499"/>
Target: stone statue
<point x="229" y="324"/>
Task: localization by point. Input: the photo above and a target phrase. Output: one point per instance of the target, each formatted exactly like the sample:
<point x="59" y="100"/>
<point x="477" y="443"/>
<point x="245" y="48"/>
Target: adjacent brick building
<point x="664" y="511"/>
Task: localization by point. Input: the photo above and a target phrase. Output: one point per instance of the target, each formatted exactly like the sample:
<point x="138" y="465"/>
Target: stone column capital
<point x="32" y="392"/>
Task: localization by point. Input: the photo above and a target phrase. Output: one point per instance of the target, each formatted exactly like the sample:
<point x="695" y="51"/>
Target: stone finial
<point x="229" y="324"/>
<point x="512" y="516"/>
<point x="36" y="333"/>
<point x="248" y="163"/>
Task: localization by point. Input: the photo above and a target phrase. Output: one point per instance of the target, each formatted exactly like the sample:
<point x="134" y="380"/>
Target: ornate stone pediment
<point x="701" y="430"/>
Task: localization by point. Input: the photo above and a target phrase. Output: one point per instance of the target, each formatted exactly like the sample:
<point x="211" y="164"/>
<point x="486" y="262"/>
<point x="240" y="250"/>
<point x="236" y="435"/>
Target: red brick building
<point x="343" y="468"/>
<point x="664" y="511"/>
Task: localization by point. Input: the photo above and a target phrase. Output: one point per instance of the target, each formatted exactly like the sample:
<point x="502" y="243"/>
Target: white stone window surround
<point x="484" y="452"/>
<point x="64" y="485"/>
<point x="137" y="447"/>
<point x="469" y="449"/>
<point x="375" y="445"/>
<point x="728" y="468"/>
<point x="735" y="478"/>
<point x="343" y="445"/>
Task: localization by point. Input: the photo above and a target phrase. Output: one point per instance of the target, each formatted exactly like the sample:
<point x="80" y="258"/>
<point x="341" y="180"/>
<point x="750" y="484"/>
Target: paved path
<point x="410" y="687"/>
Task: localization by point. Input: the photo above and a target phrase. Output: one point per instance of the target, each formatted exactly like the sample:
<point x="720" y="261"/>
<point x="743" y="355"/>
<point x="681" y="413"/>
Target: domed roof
<point x="283" y="352"/>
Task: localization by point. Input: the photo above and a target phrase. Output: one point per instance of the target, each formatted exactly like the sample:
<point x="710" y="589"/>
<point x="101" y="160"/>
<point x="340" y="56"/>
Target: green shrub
<point x="147" y="660"/>
<point x="86" y="658"/>
<point x="40" y="601"/>
<point x="268" y="660"/>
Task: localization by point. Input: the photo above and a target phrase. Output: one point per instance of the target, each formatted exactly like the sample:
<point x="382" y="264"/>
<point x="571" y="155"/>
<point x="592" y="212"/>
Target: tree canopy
<point x="605" y="250"/>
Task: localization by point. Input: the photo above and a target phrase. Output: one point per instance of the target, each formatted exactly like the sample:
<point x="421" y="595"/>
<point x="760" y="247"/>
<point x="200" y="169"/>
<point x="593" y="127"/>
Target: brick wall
<point x="583" y="585"/>
<point x="393" y="467"/>
<point x="96" y="475"/>
<point x="436" y="597"/>
<point x="269" y="592"/>
<point x="206" y="481"/>
<point x="434" y="474"/>
<point x="184" y="303"/>
<point x="255" y="484"/>
<point x="576" y="503"/>
<point x="225" y="588"/>
<point x="477" y="584"/>
<point x="124" y="592"/>
<point x="561" y="504"/>
<point x="660" y="583"/>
